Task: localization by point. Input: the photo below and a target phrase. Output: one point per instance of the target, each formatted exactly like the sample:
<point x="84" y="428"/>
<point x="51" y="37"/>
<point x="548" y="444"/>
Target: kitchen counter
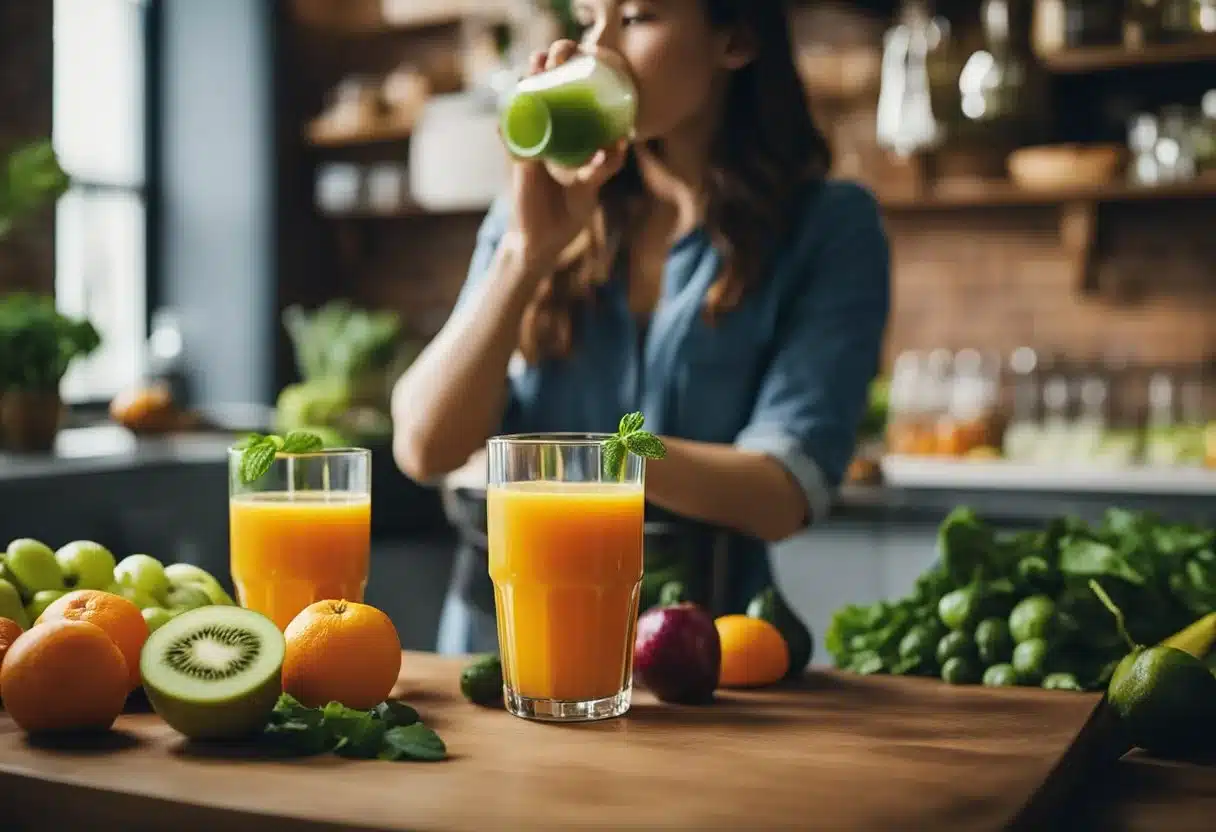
<point x="833" y="752"/>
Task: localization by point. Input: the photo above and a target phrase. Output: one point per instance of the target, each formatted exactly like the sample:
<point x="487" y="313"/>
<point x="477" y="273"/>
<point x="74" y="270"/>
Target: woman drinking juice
<point x="700" y="268"/>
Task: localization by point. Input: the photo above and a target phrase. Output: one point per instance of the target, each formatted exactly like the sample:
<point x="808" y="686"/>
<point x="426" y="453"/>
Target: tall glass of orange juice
<point x="565" y="552"/>
<point x="301" y="532"/>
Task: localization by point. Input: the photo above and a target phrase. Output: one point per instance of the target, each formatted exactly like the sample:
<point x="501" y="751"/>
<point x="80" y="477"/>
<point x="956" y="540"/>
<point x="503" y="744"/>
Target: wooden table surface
<point x="833" y="752"/>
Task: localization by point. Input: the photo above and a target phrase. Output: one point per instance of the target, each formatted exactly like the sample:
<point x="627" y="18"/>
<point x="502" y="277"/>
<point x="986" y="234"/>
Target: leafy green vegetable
<point x="392" y="731"/>
<point x="1162" y="576"/>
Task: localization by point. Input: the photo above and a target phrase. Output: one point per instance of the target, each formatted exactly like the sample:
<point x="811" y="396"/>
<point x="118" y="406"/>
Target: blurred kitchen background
<point x="271" y="207"/>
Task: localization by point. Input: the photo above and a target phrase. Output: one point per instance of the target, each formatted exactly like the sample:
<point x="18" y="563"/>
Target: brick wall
<point x="27" y="256"/>
<point x="999" y="279"/>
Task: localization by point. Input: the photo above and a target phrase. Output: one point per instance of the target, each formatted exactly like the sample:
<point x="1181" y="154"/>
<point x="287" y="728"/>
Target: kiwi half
<point x="214" y="673"/>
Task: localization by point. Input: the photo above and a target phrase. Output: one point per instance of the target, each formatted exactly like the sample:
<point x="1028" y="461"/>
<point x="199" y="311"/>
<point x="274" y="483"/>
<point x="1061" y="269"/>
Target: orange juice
<point x="566" y="560"/>
<point x="289" y="550"/>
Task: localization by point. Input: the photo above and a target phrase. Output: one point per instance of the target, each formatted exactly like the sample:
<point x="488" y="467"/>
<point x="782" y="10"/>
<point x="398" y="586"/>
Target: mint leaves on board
<point x="258" y="451"/>
<point x="630" y="439"/>
<point x="392" y="731"/>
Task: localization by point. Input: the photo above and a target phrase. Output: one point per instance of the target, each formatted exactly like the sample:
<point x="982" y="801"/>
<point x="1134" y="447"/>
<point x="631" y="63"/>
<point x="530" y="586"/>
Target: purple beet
<point x="677" y="654"/>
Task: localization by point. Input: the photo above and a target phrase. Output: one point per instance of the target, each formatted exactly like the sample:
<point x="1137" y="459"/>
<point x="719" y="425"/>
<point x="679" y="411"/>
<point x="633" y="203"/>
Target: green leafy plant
<point x="29" y="179"/>
<point x="38" y="343"/>
<point x="392" y="731"/>
<point x="630" y="439"/>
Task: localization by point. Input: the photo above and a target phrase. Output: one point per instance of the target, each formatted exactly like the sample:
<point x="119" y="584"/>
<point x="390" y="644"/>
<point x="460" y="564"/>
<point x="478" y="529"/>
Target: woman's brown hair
<point x="766" y="151"/>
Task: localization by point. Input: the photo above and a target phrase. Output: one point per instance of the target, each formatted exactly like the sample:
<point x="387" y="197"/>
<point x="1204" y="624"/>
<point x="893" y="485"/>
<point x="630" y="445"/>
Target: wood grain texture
<point x="835" y="752"/>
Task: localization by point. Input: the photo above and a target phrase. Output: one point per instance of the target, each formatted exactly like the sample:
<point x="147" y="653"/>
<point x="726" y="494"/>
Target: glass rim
<point x="573" y="440"/>
<point x="234" y="451"/>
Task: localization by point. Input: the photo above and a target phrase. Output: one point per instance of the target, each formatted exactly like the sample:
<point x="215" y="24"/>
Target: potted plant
<point x="37" y="343"/>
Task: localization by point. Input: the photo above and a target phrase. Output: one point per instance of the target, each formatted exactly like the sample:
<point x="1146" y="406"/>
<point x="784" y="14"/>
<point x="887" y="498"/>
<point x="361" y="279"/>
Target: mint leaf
<point x="631" y="422"/>
<point x="413" y="742"/>
<point x="396" y="714"/>
<point x="289" y="708"/>
<point x="614" y="458"/>
<point x="256" y="460"/>
<point x="302" y="442"/>
<point x="248" y="441"/>
<point x="364" y="740"/>
<point x="645" y="445"/>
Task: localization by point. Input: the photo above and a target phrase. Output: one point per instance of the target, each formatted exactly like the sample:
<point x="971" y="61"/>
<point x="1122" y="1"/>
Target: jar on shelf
<point x="1175" y="148"/>
<point x="1160" y="449"/>
<point x="1141" y="23"/>
<point x="970" y="419"/>
<point x="1088" y="430"/>
<point x="1203" y="17"/>
<point x="1056" y="431"/>
<point x="1204" y="133"/>
<point x="1176" y="18"/>
<point x="1024" y="429"/>
<point x="1190" y="431"/>
<point x="909" y="427"/>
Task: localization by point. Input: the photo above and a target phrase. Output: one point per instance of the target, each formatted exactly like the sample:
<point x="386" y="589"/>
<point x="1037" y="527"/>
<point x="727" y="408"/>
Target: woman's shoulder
<point x="834" y="205"/>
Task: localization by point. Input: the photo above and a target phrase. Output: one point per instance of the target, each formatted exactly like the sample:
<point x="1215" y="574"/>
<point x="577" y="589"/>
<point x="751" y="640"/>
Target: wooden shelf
<point x="378" y="135"/>
<point x="996" y="196"/>
<point x="409" y="211"/>
<point x="1105" y="58"/>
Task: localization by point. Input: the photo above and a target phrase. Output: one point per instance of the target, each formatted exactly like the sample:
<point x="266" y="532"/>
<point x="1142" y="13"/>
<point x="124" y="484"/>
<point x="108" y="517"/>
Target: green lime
<point x="1030" y="661"/>
<point x="993" y="642"/>
<point x="959" y="609"/>
<point x="955" y="645"/>
<point x="1167" y="701"/>
<point x="1034" y="617"/>
<point x="1061" y="681"/>
<point x="959" y="671"/>
<point x="481" y="680"/>
<point x="1000" y="676"/>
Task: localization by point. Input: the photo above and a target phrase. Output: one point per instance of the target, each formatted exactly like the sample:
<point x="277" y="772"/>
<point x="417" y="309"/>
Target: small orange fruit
<point x="753" y="652"/>
<point x="340" y="651"/>
<point x="9" y="631"/>
<point x="64" y="676"/>
<point x="119" y="618"/>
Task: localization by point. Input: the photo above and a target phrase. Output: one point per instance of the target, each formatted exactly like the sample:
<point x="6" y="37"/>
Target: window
<point x="98" y="129"/>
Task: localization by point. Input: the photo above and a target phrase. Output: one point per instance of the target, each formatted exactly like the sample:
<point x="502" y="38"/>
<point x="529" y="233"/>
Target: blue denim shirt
<point x="786" y="373"/>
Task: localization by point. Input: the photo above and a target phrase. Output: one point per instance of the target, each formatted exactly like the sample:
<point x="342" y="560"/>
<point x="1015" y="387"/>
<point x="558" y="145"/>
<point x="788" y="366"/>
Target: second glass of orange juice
<point x="565" y="552"/>
<point x="301" y="533"/>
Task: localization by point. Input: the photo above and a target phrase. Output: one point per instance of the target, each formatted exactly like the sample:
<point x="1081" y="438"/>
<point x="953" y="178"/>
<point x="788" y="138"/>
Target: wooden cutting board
<point x="834" y="752"/>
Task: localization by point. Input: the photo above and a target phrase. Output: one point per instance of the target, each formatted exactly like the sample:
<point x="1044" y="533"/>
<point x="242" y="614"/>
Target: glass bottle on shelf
<point x="1160" y="447"/>
<point x="1190" y="431"/>
<point x="1024" y="430"/>
<point x="1204" y="134"/>
<point x="1089" y="429"/>
<point x="935" y="404"/>
<point x="1175" y="149"/>
<point x="971" y="407"/>
<point x="1142" y="135"/>
<point x="1141" y="23"/>
<point x="906" y="120"/>
<point x="1056" y="433"/>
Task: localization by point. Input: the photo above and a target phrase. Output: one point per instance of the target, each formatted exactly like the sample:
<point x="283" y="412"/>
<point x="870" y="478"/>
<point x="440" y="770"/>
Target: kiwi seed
<point x="213" y="653"/>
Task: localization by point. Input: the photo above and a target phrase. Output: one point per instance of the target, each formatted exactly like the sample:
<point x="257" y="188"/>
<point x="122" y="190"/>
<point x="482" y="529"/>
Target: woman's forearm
<point x="453" y="395"/>
<point x="725" y="486"/>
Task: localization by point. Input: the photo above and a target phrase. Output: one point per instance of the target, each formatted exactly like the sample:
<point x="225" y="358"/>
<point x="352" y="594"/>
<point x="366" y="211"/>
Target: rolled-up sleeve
<point x="489" y="236"/>
<point x="828" y="345"/>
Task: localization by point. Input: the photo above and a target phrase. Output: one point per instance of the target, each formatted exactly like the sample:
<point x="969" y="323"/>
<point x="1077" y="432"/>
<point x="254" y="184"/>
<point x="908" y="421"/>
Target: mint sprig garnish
<point x="630" y="439"/>
<point x="258" y="451"/>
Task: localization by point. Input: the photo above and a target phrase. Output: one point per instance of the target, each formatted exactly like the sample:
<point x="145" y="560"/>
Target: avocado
<point x="772" y="607"/>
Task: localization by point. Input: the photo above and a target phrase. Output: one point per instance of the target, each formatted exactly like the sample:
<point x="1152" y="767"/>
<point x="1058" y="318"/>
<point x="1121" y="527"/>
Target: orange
<point x="119" y="618"/>
<point x="9" y="631"/>
<point x="64" y="676"/>
<point x="340" y="651"/>
<point x="753" y="652"/>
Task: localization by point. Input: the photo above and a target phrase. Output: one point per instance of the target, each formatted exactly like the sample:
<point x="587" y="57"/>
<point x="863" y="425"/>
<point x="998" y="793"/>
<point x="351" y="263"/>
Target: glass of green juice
<point x="566" y="114"/>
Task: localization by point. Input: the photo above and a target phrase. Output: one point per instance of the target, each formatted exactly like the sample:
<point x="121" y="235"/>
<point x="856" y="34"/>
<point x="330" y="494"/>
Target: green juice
<point x="568" y="113"/>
